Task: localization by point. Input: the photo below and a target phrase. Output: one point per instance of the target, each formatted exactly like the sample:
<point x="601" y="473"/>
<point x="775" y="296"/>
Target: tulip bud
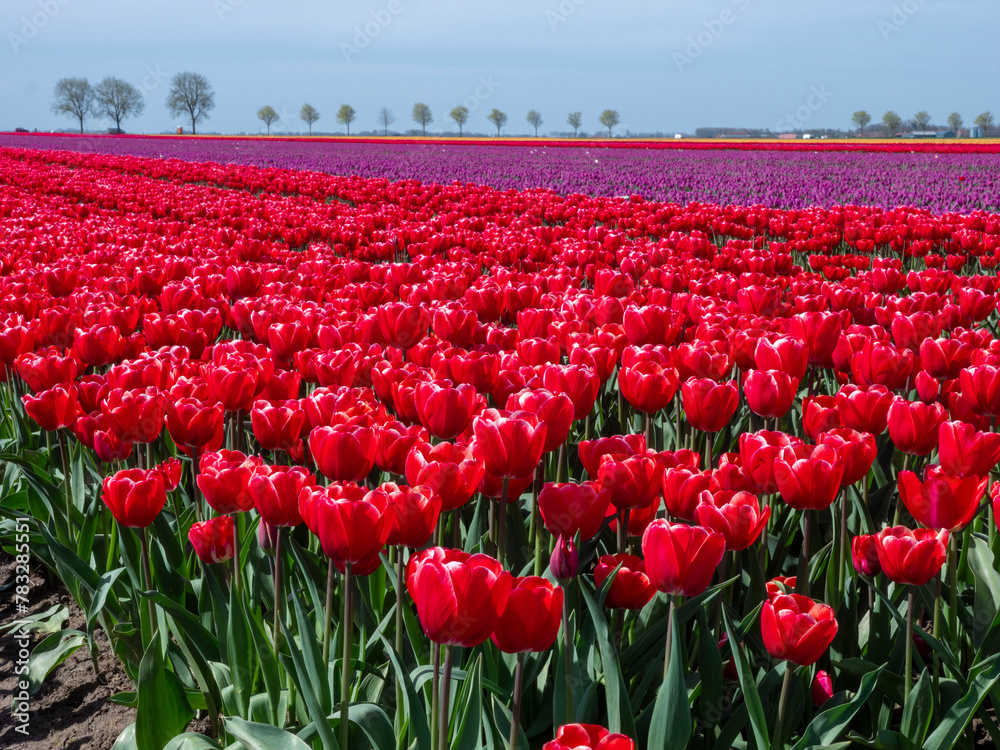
<point x="822" y="688"/>
<point x="267" y="537"/>
<point x="565" y="560"/>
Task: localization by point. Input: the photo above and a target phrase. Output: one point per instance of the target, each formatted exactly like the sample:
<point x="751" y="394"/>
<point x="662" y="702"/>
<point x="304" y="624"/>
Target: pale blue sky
<point x="664" y="65"/>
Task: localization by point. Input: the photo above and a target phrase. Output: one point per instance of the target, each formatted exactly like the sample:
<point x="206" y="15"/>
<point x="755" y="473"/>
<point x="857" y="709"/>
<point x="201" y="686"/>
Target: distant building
<point x="788" y="136"/>
<point x="976" y="132"/>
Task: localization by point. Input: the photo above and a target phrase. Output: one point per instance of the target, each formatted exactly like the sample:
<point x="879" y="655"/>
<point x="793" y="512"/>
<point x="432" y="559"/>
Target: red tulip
<point x="634" y="482"/>
<point x="568" y="509"/>
<point x="45" y="369"/>
<point x="914" y="426"/>
<point x="682" y="490"/>
<point x="770" y="392"/>
<point x="864" y="409"/>
<point x="393" y="442"/>
<point x="708" y="405"/>
<point x="555" y="410"/>
<point x="459" y="597"/>
<point x="223" y="477"/>
<point x="578" y="382"/>
<point x="735" y="515"/>
<point x="808" y="477"/>
<point x="980" y="387"/>
<point x="588" y="737"/>
<point x="681" y="559"/>
<point x="403" y="325"/>
<point x="54" y="408"/>
<point x="531" y="619"/>
<point x="136" y="416"/>
<point x="822" y="688"/>
<point x="171" y="470"/>
<point x="942" y="500"/>
<point x="193" y="424"/>
<point x="415" y="512"/>
<point x="758" y="453"/>
<point x="944" y="359"/>
<point x="631" y="588"/>
<point x="134" y="496"/>
<point x="964" y="451"/>
<point x="275" y="492"/>
<point x="796" y="628"/>
<point x="879" y="363"/>
<point x="351" y="523"/>
<point x="786" y="353"/>
<point x="277" y="426"/>
<point x="648" y="386"/>
<point x="565" y="560"/>
<point x="591" y="451"/>
<point x="856" y="450"/>
<point x="445" y="410"/>
<point x="451" y="471"/>
<point x="233" y="385"/>
<point x="820" y="414"/>
<point x="820" y="331"/>
<point x="99" y="345"/>
<point x="343" y="453"/>
<point x="213" y="539"/>
<point x="510" y="443"/>
<point x="864" y="554"/>
<point x="911" y="557"/>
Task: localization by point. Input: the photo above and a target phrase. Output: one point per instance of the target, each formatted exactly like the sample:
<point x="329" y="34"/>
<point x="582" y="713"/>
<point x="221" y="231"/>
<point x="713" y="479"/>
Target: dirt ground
<point x="72" y="708"/>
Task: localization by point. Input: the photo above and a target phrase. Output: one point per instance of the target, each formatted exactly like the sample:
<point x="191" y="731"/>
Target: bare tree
<point x="309" y="114"/>
<point x="498" y="118"/>
<point x="75" y="97"/>
<point x="892" y="122"/>
<point x="609" y="118"/>
<point x="921" y="121"/>
<point x="422" y="116"/>
<point x="575" y="120"/>
<point x="955" y="122"/>
<point x="385" y="119"/>
<point x="984" y="121"/>
<point x="535" y="119"/>
<point x="191" y="94"/>
<point x="116" y="99"/>
<point x="268" y="115"/>
<point x="346" y="115"/>
<point x="460" y="115"/>
<point x="861" y="119"/>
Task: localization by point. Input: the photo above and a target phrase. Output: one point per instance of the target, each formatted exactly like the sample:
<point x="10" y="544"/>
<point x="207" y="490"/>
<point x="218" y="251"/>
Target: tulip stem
<point x="399" y="629"/>
<point x="667" y="654"/>
<point x="908" y="675"/>
<point x="899" y="497"/>
<point x="536" y="519"/>
<point x="623" y="530"/>
<point x="677" y="430"/>
<point x="502" y="521"/>
<point x="435" y="688"/>
<point x="330" y="570"/>
<point x="147" y="576"/>
<point x="345" y="667"/>
<point x="194" y="484"/>
<point x="782" y="705"/>
<point x="953" y="594"/>
<point x="445" y="699"/>
<point x="515" y="721"/>
<point x="67" y="484"/>
<point x="493" y="524"/>
<point x="568" y="658"/>
<point x="842" y="547"/>
<point x="709" y="451"/>
<point x="648" y="430"/>
<point x="802" y="582"/>
<point x="236" y="552"/>
<point x="277" y="590"/>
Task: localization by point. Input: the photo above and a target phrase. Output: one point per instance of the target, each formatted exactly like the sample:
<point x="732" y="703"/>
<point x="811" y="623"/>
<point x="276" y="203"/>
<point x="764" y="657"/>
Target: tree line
<point x="894" y="124"/>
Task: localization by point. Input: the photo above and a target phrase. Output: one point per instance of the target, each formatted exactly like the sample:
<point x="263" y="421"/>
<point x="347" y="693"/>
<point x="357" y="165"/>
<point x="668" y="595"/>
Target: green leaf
<point x="162" y="711"/>
<point x="960" y="713"/>
<point x="670" y="727"/>
<point x="50" y="653"/>
<point x="104" y="587"/>
<point x="758" y="720"/>
<point x="240" y="654"/>
<point x="918" y="710"/>
<point x="315" y="670"/>
<point x="295" y="665"/>
<point x="374" y="722"/>
<point x="467" y="720"/>
<point x="828" y="724"/>
<point x="621" y="718"/>
<point x="126" y="740"/>
<point x="192" y="741"/>
<point x="43" y="623"/>
<point x="710" y="672"/>
<point x="268" y="665"/>
<point x="263" y="736"/>
<point x="987" y="588"/>
<point x="416" y="720"/>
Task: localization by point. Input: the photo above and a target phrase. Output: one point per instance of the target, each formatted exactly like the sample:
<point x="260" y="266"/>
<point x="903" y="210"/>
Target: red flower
<point x="681" y="559"/>
<point x="591" y="451"/>
<point x="393" y="442"/>
<point x="403" y="325"/>
<point x="822" y="688"/>
<point x="913" y="425"/>
<point x="631" y="588"/>
<point x="171" y="470"/>
<point x="735" y="515"/>
<point x="864" y="554"/>
<point x="54" y="408"/>
<point x="344" y="452"/>
<point x="578" y="382"/>
<point x="554" y="409"/>
<point x="451" y="471"/>
<point x="99" y="345"/>
<point x="415" y="512"/>
<point x="682" y="488"/>
<point x="758" y="453"/>
<point x="459" y="597"/>
<point x="213" y="539"/>
<point x="796" y="628"/>
<point x="136" y="416"/>
<point x="233" y="385"/>
<point x="634" y="482"/>
<point x="510" y="443"/>
<point x="965" y="451"/>
<point x="571" y="508"/>
<point x="980" y="386"/>
<point x="193" y="424"/>
<point x="351" y="523"/>
<point x="879" y="363"/>
<point x="648" y="386"/>
<point x="588" y="737"/>
<point x="770" y="392"/>
<point x="223" y="477"/>
<point x="864" y="409"/>
<point x="857" y="452"/>
<point x="275" y="492"/>
<point x="820" y="414"/>
<point x="788" y="354"/>
<point x="808" y="477"/>
<point x="708" y="405"/>
<point x="820" y="331"/>
<point x="942" y="500"/>
<point x="277" y="426"/>
<point x="565" y="560"/>
<point x="134" y="496"/>
<point x="445" y="410"/>
<point x="912" y="557"/>
<point x="531" y="619"/>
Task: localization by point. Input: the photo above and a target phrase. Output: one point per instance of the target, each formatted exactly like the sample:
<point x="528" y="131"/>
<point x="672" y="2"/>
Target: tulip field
<point x="346" y="462"/>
